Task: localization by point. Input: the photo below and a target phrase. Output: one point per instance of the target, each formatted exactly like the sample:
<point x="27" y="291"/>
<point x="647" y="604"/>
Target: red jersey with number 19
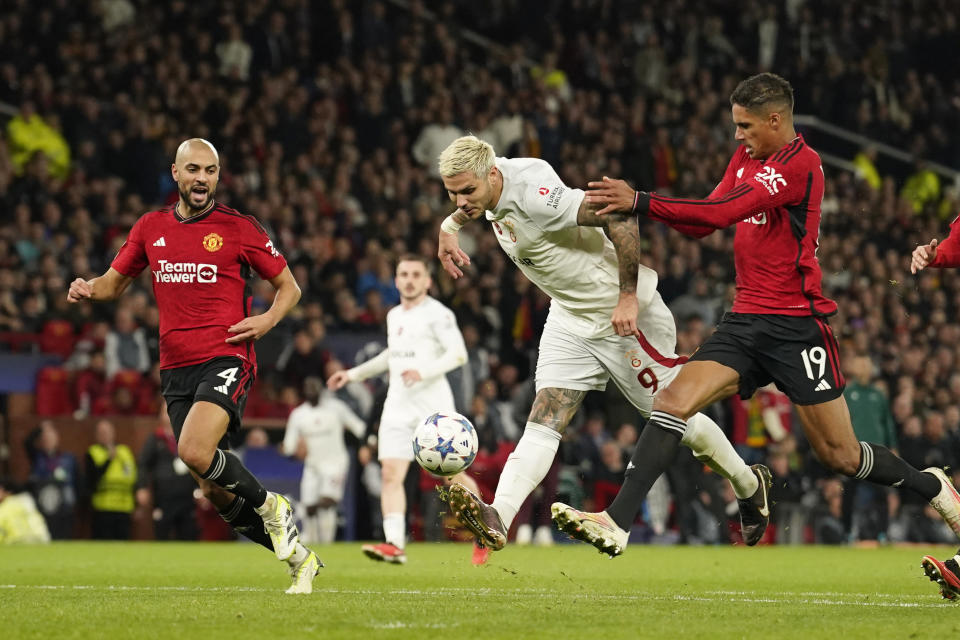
<point x="775" y="204"/>
<point x="200" y="267"/>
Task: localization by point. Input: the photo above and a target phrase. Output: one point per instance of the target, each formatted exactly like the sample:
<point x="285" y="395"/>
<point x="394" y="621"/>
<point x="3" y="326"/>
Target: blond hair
<point x="468" y="153"/>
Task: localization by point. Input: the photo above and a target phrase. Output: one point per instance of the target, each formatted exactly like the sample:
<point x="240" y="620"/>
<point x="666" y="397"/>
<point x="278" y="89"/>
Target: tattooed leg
<point x="555" y="408"/>
<point x="531" y="460"/>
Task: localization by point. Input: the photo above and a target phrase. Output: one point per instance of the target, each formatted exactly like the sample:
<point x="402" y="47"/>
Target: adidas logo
<point x="630" y="465"/>
<point x="823" y="386"/>
<point x="222" y="389"/>
<point x="160" y="243"/>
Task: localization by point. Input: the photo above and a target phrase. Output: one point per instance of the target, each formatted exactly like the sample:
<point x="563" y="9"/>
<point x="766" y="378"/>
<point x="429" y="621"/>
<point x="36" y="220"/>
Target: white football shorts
<point x="638" y="366"/>
<point x="325" y="482"/>
<point x="402" y="414"/>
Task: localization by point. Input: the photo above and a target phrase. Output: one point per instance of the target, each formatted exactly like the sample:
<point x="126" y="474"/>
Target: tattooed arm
<point x="555" y="408"/>
<point x="623" y="230"/>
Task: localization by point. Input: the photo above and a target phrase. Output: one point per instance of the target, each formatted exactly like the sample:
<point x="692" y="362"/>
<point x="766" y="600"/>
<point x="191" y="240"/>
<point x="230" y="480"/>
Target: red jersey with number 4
<point x="775" y="204"/>
<point x="200" y="267"/>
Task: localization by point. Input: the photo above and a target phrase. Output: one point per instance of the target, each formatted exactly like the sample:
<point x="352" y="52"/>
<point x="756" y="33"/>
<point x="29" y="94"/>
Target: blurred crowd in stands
<point x="329" y="116"/>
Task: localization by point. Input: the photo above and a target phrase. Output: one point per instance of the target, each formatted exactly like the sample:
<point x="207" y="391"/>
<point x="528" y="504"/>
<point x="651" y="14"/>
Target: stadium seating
<point x="53" y="395"/>
<point x="57" y="337"/>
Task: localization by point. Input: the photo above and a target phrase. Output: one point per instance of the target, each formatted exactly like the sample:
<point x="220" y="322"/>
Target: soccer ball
<point x="445" y="444"/>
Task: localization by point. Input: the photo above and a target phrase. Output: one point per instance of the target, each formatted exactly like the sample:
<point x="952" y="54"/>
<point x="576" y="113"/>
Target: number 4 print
<point x="229" y="377"/>
<point x="817" y="356"/>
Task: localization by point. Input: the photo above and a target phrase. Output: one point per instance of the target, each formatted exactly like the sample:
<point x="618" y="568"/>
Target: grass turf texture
<point x="206" y="590"/>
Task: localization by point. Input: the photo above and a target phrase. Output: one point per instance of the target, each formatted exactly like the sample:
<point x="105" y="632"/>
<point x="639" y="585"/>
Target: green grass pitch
<point x="234" y="590"/>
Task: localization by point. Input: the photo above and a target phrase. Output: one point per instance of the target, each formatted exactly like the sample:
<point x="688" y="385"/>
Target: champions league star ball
<point x="445" y="444"/>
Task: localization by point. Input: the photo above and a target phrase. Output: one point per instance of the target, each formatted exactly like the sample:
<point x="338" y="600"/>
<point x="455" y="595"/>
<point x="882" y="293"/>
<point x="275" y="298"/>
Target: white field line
<point x="813" y="598"/>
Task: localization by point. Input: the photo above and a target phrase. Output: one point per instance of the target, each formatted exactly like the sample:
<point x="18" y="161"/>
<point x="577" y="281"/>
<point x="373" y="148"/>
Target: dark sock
<point x="656" y="448"/>
<point x="227" y="471"/>
<point x="879" y="465"/>
<point x="245" y="521"/>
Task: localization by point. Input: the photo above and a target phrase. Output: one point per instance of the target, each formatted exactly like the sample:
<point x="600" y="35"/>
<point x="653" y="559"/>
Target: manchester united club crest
<point x="212" y="242"/>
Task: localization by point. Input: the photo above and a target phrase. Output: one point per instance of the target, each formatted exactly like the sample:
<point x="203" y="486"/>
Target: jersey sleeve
<point x="948" y="251"/>
<point x="775" y="185"/>
<point x="550" y="204"/>
<point x="258" y="251"/>
<point x="451" y="341"/>
<point x="350" y="420"/>
<point x="132" y="257"/>
<point x="292" y="435"/>
<point x="729" y="176"/>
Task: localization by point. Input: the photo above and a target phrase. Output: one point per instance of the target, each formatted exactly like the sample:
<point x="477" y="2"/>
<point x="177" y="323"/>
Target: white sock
<point x="299" y="555"/>
<point x="525" y="468"/>
<point x="957" y="557"/>
<point x="326" y="523"/>
<point x="393" y="529"/>
<point x="710" y="445"/>
<point x="308" y="531"/>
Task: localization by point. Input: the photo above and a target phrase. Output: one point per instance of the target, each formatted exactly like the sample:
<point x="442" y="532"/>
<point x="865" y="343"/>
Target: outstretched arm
<point x="722" y="209"/>
<point x="109" y="286"/>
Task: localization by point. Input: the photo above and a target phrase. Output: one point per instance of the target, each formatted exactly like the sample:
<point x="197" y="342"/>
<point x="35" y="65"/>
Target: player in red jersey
<point x="938" y="254"/>
<point x="200" y="253"/>
<point x="777" y="330"/>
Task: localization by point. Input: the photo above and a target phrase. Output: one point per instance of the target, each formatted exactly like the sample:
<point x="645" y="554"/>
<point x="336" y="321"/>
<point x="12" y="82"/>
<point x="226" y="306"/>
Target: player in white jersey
<point x="315" y="430"/>
<point x="588" y="265"/>
<point x="423" y="344"/>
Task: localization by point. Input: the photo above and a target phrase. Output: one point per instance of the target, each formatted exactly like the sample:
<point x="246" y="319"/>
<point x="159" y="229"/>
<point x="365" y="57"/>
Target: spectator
<point x="29" y="135"/>
<point x="54" y="479"/>
<point x="112" y="476"/>
<point x="126" y="345"/>
<point x="164" y="485"/>
<point x="235" y="55"/>
<point x="300" y="359"/>
<point x="91" y="387"/>
<point x="865" y="505"/>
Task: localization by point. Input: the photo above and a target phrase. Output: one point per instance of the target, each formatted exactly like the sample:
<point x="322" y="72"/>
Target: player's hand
<point x="364" y="455"/>
<point x="301" y="452"/>
<point x="338" y="380"/>
<point x="411" y="377"/>
<point x="250" y="329"/>
<point x="923" y="255"/>
<point x="624" y="318"/>
<point x="80" y="289"/>
<point x="450" y="254"/>
<point x="611" y="196"/>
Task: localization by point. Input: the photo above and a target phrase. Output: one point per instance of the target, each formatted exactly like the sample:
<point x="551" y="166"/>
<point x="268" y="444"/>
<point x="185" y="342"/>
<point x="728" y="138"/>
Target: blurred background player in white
<point x="423" y="344"/>
<point x="590" y="268"/>
<point x="315" y="434"/>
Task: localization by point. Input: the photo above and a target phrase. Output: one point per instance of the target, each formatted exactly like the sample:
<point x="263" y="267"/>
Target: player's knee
<point x="196" y="458"/>
<point x="671" y="402"/>
<point x="390" y="476"/>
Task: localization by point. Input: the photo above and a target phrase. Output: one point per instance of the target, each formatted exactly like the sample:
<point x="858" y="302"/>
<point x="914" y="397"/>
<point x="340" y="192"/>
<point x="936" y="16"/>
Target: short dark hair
<point x="413" y="257"/>
<point x="763" y="90"/>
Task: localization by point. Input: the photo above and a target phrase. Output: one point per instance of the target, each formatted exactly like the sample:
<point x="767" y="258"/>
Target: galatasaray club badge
<point x="212" y="242"/>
